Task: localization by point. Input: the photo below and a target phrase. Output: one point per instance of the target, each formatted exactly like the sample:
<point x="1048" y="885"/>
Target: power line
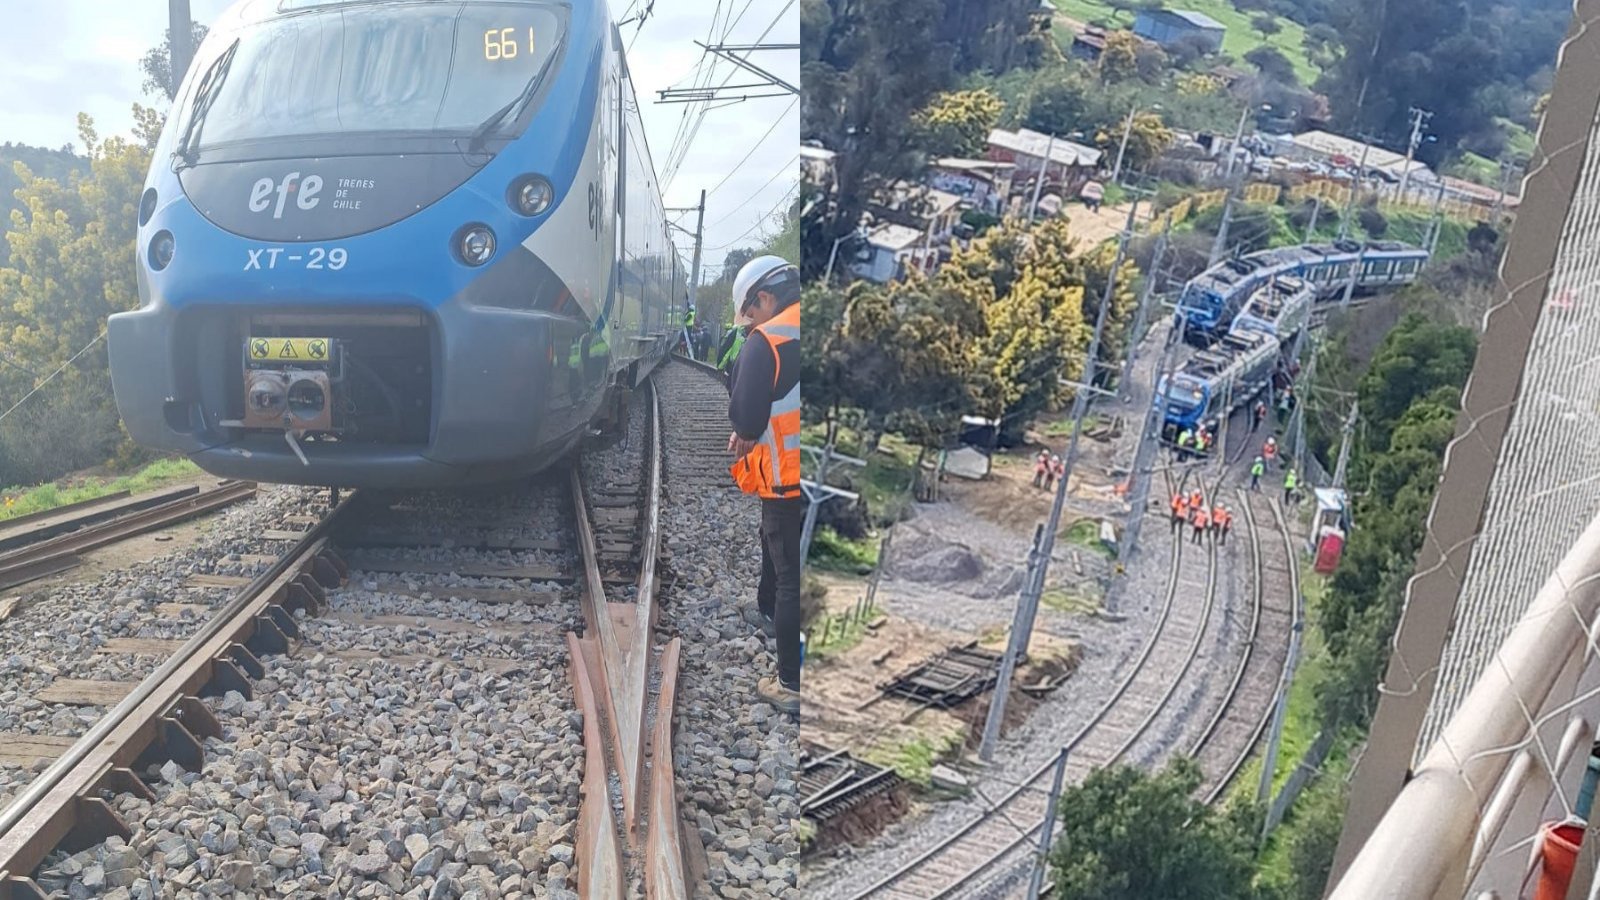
<point x="667" y="180"/>
<point x="40" y="386"/>
<point x="786" y="167"/>
<point x="756" y="146"/>
<point x="759" y="222"/>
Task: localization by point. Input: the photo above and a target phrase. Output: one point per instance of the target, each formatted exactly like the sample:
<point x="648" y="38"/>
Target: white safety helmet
<point x="760" y="272"/>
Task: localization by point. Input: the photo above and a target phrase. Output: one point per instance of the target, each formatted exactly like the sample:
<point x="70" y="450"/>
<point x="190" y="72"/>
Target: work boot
<point x="784" y="698"/>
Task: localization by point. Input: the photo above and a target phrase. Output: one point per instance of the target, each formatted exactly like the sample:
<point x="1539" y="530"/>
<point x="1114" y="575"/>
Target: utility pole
<point x="1143" y="473"/>
<point x="1344" y="447"/>
<point x="1238" y="136"/>
<point x="1500" y="198"/>
<point x="1219" y="247"/>
<point x="1419" y="118"/>
<point x="1036" y="881"/>
<point x="699" y="241"/>
<point x="1316" y="209"/>
<point x="1437" y="225"/>
<point x="1080" y="407"/>
<point x="1044" y="169"/>
<point x="1127" y="130"/>
<point x="1136" y="334"/>
<point x="1016" y="648"/>
<point x="181" y="39"/>
<point x="1355" y="187"/>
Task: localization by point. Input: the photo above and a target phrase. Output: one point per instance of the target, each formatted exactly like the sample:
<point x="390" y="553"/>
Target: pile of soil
<point x="922" y="558"/>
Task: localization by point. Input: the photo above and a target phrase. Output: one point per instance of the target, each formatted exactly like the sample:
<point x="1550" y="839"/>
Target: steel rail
<point x="41" y="814"/>
<point x="25" y="563"/>
<point x="1007" y="799"/>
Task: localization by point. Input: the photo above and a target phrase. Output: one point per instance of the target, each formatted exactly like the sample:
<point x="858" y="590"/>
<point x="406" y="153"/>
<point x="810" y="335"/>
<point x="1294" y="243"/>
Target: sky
<point x="69" y="56"/>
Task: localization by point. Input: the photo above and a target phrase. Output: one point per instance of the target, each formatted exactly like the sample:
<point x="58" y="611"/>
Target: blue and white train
<point x="1210" y="302"/>
<point x="396" y="243"/>
<point x="1217" y="381"/>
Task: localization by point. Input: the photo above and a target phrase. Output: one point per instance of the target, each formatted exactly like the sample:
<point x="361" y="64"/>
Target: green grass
<point x="885" y="482"/>
<point x="914" y="760"/>
<point x="839" y="639"/>
<point x="1086" y="533"/>
<point x="1063" y="602"/>
<point x="21" y="501"/>
<point x="833" y="553"/>
<point x="1240" y="39"/>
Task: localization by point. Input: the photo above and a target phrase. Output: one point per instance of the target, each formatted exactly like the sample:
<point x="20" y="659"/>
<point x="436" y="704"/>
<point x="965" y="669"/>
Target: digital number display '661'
<point x="501" y="43"/>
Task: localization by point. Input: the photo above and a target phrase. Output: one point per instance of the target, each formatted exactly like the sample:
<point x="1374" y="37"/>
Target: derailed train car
<point x="396" y="244"/>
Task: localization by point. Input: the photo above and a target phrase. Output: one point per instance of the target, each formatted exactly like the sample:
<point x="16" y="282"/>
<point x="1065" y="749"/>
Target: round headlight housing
<point x="532" y="195"/>
<point x="475" y="244"/>
<point x="147" y="206"/>
<point x="162" y="248"/>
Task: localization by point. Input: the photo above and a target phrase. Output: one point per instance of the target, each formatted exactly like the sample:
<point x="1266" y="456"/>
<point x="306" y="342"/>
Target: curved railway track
<point x="1231" y="735"/>
<point x="1011" y="820"/>
<point x="623" y="673"/>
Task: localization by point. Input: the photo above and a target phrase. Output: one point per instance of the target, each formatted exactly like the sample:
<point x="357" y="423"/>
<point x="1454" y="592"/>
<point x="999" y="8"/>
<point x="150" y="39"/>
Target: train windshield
<point x="397" y="67"/>
<point x="1185" y="396"/>
<point x="1196" y="297"/>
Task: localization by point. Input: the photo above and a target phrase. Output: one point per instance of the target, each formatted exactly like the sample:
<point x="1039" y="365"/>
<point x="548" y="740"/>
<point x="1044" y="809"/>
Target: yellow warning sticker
<point x="287" y="350"/>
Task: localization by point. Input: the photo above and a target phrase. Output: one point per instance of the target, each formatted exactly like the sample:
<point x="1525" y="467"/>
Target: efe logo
<point x="306" y="193"/>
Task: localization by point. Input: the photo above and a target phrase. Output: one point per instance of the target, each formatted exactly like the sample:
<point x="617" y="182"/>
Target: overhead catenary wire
<point x="733" y="70"/>
<point x="786" y="167"/>
<point x="756" y="146"/>
<point x="759" y="222"/>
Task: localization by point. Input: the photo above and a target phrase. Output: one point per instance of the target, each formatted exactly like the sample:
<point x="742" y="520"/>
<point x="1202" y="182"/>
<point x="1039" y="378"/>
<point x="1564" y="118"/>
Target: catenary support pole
<point x="1016" y="647"/>
<point x="1044" y="172"/>
<point x="181" y="31"/>
<point x="1144" y="457"/>
<point x="1047" y="827"/>
<point x="1136" y="334"/>
<point x="1080" y="407"/>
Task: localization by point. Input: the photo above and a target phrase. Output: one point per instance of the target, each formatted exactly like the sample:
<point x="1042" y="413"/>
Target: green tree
<point x="1267" y="24"/>
<point x="157" y="62"/>
<point x="1119" y="61"/>
<point x="1128" y="835"/>
<point x="958" y="123"/>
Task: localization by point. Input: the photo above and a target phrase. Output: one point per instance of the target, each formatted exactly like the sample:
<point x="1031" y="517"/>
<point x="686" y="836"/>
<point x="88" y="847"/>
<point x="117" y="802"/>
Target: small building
<point x="1088" y="44"/>
<point x="928" y="210"/>
<point x="983" y="184"/>
<point x="817" y="166"/>
<point x="887" y="252"/>
<point x="1169" y="26"/>
<point x="1335" y="150"/>
<point x="1069" y="166"/>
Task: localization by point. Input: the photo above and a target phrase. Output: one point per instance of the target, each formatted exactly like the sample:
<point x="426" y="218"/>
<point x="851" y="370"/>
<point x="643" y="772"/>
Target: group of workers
<point x="1047" y="467"/>
<point x="696" y="341"/>
<point x="1196" y="441"/>
<point x="1190" y="509"/>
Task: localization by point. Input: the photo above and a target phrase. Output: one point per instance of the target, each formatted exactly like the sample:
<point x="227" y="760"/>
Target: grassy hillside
<point x="1240" y="39"/>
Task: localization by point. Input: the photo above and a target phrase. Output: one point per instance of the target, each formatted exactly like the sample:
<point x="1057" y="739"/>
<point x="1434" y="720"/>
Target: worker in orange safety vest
<point x="1201" y="521"/>
<point x="1180" y="510"/>
<point x="764" y="408"/>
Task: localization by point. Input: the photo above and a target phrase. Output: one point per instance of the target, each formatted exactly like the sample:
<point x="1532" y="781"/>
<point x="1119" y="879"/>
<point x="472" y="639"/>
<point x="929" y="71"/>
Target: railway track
<point x="478" y="596"/>
<point x="1231" y="735"/>
<point x="1011" y="820"/>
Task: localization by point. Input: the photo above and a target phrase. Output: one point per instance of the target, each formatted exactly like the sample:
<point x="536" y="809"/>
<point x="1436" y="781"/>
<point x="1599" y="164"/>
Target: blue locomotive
<point x="1215" y="382"/>
<point x="1211" y="301"/>
<point x="396" y="243"/>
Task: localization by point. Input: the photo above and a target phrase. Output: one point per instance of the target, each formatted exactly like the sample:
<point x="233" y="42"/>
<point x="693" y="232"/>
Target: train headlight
<point x="475" y="244"/>
<point x="532" y="195"/>
<point x="162" y="248"/>
<point x="147" y="206"/>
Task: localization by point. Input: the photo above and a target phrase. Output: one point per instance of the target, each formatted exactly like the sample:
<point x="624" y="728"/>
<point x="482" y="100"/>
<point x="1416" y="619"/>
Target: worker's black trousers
<point x="778" y="594"/>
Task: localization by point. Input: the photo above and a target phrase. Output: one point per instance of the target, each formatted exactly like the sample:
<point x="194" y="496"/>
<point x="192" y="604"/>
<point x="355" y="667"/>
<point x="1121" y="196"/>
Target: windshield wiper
<point x="512" y="109"/>
<point x="204" y="96"/>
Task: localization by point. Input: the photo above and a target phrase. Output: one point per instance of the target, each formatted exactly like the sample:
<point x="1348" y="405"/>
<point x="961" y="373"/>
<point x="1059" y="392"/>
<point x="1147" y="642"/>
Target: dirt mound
<point x="923" y="558"/>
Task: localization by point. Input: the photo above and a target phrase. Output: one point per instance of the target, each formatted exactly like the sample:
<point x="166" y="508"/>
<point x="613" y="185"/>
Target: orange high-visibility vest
<point x="1195" y="499"/>
<point x="772" y="467"/>
<point x="1200" y="520"/>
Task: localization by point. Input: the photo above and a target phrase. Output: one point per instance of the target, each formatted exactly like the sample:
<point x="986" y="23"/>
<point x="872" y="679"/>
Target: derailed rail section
<point x="627" y="737"/>
<point x="1511" y="752"/>
<point x="163" y="719"/>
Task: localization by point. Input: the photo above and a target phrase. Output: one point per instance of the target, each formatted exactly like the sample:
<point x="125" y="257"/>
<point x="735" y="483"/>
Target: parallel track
<point x="1230" y="737"/>
<point x="1115" y="728"/>
<point x="624" y="681"/>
